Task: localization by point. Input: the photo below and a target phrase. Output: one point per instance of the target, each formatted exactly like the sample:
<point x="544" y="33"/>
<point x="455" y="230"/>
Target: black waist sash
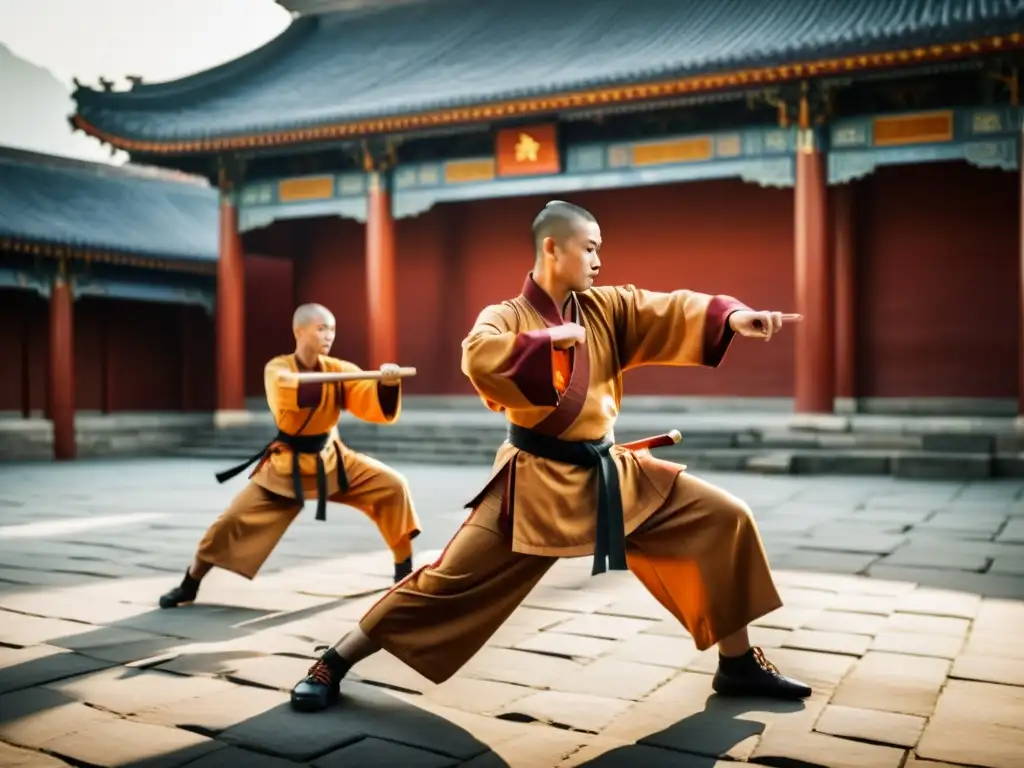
<point x="299" y="444"/>
<point x="610" y="537"/>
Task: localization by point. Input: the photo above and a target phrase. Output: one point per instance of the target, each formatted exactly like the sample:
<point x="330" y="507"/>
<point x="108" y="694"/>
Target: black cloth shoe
<point x="403" y="569"/>
<point x="753" y="675"/>
<point x="321" y="687"/>
<point x="183" y="594"/>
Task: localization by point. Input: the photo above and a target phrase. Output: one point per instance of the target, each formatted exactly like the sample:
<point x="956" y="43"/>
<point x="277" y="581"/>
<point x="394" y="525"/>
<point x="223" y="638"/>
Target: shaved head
<point x="308" y="314"/>
<point x="559" y="220"/>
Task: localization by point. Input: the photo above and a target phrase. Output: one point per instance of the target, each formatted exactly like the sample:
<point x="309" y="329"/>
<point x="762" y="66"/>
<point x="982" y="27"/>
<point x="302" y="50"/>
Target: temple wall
<point x="130" y="356"/>
<point x="938" y="282"/>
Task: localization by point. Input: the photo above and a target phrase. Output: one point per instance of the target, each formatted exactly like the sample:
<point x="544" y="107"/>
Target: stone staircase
<point x="778" y="443"/>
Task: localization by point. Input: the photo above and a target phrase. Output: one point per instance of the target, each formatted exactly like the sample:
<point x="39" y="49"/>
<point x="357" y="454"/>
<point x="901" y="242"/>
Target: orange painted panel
<point x="528" y="151"/>
<point x="924" y="128"/>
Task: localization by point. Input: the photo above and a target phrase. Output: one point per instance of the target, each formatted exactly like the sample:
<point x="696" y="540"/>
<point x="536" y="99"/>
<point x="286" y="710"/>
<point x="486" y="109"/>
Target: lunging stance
<point x="306" y="392"/>
<point x="552" y="359"/>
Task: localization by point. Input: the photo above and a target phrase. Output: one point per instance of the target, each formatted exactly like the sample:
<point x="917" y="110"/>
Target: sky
<point x="157" y="39"/>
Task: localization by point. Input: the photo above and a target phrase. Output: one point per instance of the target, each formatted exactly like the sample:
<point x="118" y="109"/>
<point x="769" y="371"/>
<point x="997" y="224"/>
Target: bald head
<point x="313" y="326"/>
<point x="559" y="221"/>
<point x="311" y="314"/>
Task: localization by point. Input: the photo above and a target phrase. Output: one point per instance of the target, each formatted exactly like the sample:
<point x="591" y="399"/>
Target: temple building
<point x="108" y="288"/>
<point x="857" y="161"/>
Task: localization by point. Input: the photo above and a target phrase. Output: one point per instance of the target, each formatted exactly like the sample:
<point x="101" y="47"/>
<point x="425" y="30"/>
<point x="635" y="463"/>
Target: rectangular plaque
<point x="528" y="151"/>
<point x="923" y="128"/>
<point x="309" y="188"/>
<point x="677" y="151"/>
<point x="465" y="171"/>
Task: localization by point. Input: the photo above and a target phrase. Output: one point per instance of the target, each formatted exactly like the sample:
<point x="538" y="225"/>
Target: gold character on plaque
<point x="527" y="148"/>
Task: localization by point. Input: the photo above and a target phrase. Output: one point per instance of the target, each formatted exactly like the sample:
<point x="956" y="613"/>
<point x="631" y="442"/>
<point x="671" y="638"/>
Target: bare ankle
<point x="355" y="646"/>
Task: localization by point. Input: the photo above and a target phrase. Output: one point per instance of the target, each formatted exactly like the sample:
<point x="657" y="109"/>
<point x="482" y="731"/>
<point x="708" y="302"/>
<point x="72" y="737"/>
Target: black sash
<point x="299" y="444"/>
<point x="610" y="538"/>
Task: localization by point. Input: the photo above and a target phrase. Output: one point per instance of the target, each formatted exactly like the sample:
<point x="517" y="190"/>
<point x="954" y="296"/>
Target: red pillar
<point x="845" y="247"/>
<point x="380" y="274"/>
<point x="815" y="353"/>
<point x="1020" y="326"/>
<point x="62" y="369"/>
<point x="230" y="311"/>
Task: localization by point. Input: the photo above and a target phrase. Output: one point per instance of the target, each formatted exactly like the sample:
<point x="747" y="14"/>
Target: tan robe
<point x="695" y="547"/>
<point x="243" y="537"/>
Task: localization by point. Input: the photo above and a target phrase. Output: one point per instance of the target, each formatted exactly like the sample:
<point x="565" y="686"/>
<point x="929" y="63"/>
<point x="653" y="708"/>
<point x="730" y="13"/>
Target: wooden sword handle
<point x="330" y="376"/>
<point x="658" y="441"/>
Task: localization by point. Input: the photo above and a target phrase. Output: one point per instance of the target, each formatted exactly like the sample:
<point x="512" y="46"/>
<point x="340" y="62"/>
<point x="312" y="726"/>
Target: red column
<point x="845" y="248"/>
<point x="62" y="369"/>
<point x="1020" y="326"/>
<point x="230" y="311"/>
<point x="815" y="354"/>
<point x="380" y="274"/>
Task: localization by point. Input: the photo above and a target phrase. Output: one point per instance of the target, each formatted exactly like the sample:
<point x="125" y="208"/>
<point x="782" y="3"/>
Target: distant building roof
<point x="91" y="206"/>
<point x="361" y="72"/>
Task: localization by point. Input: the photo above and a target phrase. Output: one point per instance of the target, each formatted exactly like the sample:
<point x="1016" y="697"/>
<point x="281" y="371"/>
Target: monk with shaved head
<point x="551" y="359"/>
<point x="307" y="459"/>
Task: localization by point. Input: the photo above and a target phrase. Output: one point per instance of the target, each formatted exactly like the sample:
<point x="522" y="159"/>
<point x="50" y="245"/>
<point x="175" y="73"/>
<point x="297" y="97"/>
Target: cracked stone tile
<point x="214" y="711"/>
<point x="787" y="617"/>
<point x="126" y="691"/>
<point x="569" y="646"/>
<point x="871" y="725"/>
<point x="477" y="696"/>
<point x="799" y="597"/>
<point x="25" y="667"/>
<point x="880" y="605"/>
<point x="371" y="752"/>
<point x="384" y="668"/>
<point x="819" y="749"/>
<point x="976" y="723"/>
<point x="989" y="669"/>
<point x="906" y="685"/>
<point x="640" y="606"/>
<point x="846" y="622"/>
<point x="14" y="757"/>
<point x="542" y="746"/>
<point x="571" y="600"/>
<point x="828" y="642"/>
<point x="583" y="712"/>
<point x="518" y="667"/>
<point x="605" y="627"/>
<point x="934" y="602"/>
<point x="233" y="757"/>
<point x="613" y="677"/>
<point x="918" y="644"/>
<point x="32" y="717"/>
<point x="659" y="650"/>
<point x="280" y="672"/>
<point x="940" y="625"/>
<point x="116" y="743"/>
<point x="535" y="619"/>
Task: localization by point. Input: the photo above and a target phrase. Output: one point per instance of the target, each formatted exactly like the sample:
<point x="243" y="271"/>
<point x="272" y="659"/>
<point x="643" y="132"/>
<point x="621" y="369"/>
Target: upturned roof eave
<point x="546" y="104"/>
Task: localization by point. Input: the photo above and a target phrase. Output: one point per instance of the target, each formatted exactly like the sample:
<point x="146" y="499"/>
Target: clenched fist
<point x="760" y="325"/>
<point x="389" y="375"/>
<point x="567" y="335"/>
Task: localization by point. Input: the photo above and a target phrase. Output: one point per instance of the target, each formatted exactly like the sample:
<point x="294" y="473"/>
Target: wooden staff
<point x="658" y="441"/>
<point x="318" y="376"/>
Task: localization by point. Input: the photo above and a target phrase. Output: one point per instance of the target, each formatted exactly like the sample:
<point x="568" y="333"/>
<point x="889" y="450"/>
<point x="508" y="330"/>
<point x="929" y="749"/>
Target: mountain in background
<point x="35" y="113"/>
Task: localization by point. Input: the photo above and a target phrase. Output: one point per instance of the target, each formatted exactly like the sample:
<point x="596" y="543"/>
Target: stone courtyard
<point x="903" y="609"/>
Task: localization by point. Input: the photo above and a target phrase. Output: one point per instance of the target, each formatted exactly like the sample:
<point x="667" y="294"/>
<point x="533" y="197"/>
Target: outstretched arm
<point x="680" y="328"/>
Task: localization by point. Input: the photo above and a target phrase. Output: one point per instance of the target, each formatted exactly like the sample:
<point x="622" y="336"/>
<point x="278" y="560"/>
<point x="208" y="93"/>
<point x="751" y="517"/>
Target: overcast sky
<point x="158" y="39"/>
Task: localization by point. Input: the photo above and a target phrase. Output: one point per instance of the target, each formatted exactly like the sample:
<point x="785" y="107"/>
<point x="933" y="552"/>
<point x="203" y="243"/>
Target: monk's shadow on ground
<point x="702" y="739"/>
<point x="150" y="640"/>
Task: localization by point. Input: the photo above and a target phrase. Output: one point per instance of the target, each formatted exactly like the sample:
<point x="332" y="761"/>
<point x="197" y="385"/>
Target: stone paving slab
<point x="903" y="607"/>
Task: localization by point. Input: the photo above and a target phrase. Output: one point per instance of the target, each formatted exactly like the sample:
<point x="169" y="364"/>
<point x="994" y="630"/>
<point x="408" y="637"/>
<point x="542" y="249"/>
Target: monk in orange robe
<point x="307" y="458"/>
<point x="552" y="359"/>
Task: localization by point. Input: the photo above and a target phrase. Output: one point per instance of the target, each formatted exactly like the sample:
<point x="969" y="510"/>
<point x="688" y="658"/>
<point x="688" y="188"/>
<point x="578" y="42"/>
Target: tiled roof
<point x="346" y="67"/>
<point x="142" y="212"/>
